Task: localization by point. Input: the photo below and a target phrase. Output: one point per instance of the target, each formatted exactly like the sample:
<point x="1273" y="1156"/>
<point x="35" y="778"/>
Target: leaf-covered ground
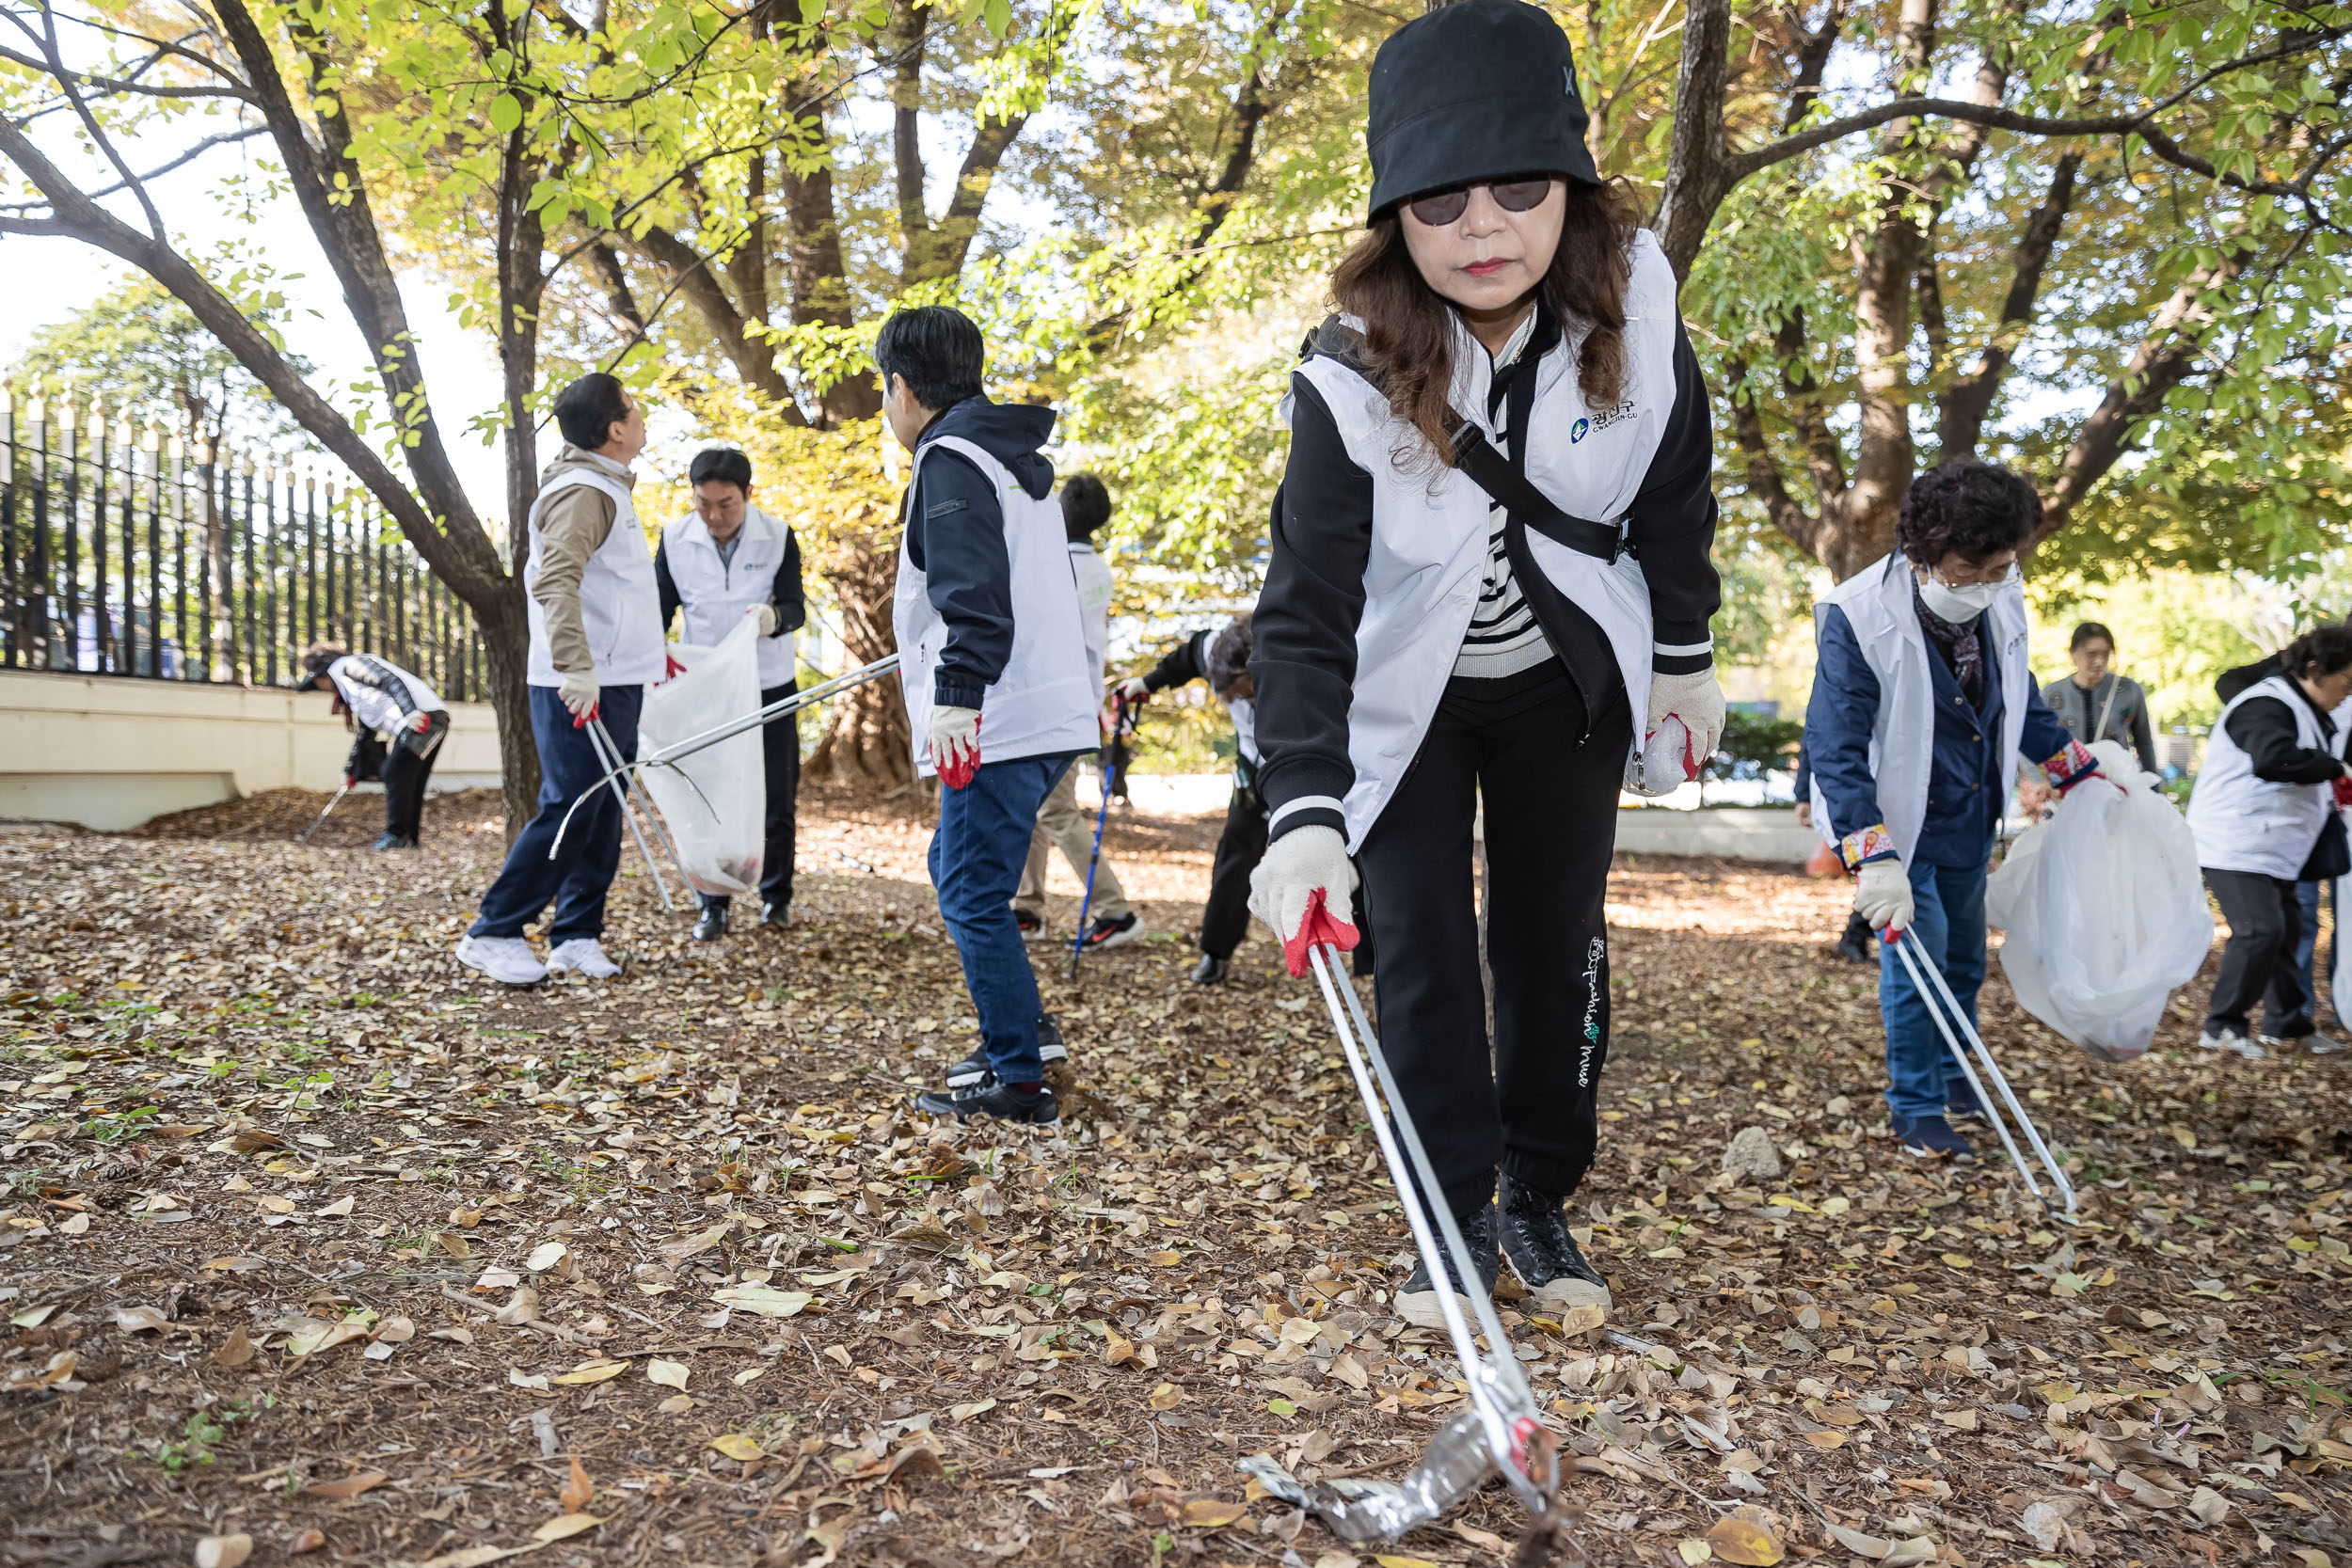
<point x="311" y="1237"/>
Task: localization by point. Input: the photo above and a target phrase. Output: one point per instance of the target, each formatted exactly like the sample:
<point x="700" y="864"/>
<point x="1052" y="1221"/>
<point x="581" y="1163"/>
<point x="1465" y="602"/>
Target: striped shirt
<point x="1503" y="637"/>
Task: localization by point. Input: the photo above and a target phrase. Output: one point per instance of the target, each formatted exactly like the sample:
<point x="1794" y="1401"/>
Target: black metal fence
<point x="125" y="552"/>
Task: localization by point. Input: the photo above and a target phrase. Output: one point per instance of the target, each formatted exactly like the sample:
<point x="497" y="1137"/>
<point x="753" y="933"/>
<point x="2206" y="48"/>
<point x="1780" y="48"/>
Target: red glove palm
<point x="2341" y="784"/>
<point x="1320" y="928"/>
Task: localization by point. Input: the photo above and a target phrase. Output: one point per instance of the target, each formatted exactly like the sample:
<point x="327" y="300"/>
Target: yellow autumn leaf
<point x="1212" y="1512"/>
<point x="734" y="1445"/>
<point x="1744" y="1542"/>
<point x="1166" y="1397"/>
<point x="565" y="1526"/>
<point x="670" y="1374"/>
<point x="591" y="1371"/>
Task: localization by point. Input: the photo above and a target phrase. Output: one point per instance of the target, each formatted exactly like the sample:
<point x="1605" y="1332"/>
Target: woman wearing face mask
<point x="1923" y="710"/>
<point x="1489" y="578"/>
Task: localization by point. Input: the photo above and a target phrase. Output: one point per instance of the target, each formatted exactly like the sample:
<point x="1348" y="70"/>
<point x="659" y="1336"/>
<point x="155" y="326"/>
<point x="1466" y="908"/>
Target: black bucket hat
<point x="1481" y="90"/>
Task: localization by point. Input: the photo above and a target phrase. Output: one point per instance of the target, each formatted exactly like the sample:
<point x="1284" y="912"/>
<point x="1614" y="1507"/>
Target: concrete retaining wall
<point x="1732" y="833"/>
<point x="110" y="753"/>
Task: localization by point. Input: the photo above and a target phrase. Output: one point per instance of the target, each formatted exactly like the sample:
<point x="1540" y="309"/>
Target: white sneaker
<point x="2319" y="1044"/>
<point x="584" y="954"/>
<point x="2233" y="1043"/>
<point x="509" y="960"/>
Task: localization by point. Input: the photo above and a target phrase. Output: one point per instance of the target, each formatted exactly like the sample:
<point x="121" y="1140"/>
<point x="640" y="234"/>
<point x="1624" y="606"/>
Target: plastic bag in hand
<point x="1659" y="765"/>
<point x="2104" y="910"/>
<point x="716" y="799"/>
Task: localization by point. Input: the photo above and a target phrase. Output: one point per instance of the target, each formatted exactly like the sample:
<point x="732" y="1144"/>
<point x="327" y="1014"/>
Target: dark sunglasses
<point x="1439" y="208"/>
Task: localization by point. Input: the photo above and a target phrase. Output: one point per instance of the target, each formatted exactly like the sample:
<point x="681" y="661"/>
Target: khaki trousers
<point x="1061" y="825"/>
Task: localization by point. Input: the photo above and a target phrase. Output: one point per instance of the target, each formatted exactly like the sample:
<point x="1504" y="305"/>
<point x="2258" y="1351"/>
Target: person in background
<point x="723" y="561"/>
<point x="1000" y="695"/>
<point x="2308" y="892"/>
<point x="2266" y="817"/>
<point x="2095" y="704"/>
<point x="1924" y="710"/>
<point x="595" y="645"/>
<point x="1085" y="506"/>
<point x="375" y="696"/>
<point x="1854" y="942"/>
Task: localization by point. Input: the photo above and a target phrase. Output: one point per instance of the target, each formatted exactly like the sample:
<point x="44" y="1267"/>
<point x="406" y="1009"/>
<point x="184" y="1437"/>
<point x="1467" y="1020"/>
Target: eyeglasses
<point x="2012" y="573"/>
<point x="1440" y="208"/>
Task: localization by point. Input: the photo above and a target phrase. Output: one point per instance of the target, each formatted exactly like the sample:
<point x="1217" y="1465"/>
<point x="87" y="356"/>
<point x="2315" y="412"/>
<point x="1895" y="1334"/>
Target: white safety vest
<point x="1878" y="604"/>
<point x="714" y="594"/>
<point x="1093" y="575"/>
<point x="1430" y="523"/>
<point x="619" y="605"/>
<point x="1244" y="712"/>
<point x="1043" y="703"/>
<point x="374" y="708"/>
<point x="2243" y="823"/>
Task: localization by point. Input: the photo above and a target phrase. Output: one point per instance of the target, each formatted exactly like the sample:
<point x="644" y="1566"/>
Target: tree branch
<point x="1959" y="418"/>
<point x="693" y="275"/>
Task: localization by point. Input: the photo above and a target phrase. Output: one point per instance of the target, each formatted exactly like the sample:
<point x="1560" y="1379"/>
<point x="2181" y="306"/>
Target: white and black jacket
<point x="1378" y="560"/>
<point x="380" y="696"/>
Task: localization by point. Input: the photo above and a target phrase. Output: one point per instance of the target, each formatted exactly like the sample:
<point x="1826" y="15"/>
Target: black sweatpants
<point x="1527" y="1105"/>
<point x="405" y="776"/>
<point x="2258" y="965"/>
<point x="1225" y="919"/>
<point x="779" y="757"/>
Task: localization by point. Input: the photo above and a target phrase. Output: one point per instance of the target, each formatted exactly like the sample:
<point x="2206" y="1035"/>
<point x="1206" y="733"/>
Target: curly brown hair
<point x="1408" y="326"/>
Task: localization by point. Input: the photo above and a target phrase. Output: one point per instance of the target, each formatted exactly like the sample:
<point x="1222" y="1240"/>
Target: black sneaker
<point x="712" y="922"/>
<point x="776" y="917"/>
<point x="1855" y="943"/>
<point x="1209" y="970"/>
<point x="1032" y="928"/>
<point x="1107" y="932"/>
<point x="1932" y="1137"/>
<point x="974" y="1068"/>
<point x="389" y="841"/>
<point x="1037" y="1107"/>
<point x="405" y="841"/>
<point x="1545" y="1257"/>
<point x="1417" y="1299"/>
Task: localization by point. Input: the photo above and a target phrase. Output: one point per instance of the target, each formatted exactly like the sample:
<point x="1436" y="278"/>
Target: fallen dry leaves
<point x="312" y="1232"/>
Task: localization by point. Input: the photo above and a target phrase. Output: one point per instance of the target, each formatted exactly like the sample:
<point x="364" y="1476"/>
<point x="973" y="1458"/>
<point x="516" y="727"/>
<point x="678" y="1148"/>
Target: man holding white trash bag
<point x="2265" y="816"/>
<point x="723" y="561"/>
<point x="1923" y="710"/>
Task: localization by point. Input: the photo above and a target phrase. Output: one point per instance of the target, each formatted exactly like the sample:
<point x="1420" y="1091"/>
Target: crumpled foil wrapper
<point x="1371" y="1511"/>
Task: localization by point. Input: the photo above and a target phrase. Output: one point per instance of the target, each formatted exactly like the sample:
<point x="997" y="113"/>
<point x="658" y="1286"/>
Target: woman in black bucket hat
<point x="1489" y="581"/>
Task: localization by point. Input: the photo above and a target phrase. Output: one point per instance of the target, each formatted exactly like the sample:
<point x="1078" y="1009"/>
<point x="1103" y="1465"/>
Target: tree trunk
<point x="867" y="743"/>
<point x="506" y="657"/>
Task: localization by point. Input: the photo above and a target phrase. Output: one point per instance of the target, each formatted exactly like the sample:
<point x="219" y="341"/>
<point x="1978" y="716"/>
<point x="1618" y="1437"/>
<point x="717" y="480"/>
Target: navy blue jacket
<point x="956" y="537"/>
<point x="1967" y="778"/>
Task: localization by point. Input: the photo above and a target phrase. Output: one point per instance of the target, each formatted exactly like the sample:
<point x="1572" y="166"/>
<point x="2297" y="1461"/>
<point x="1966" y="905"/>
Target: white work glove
<point x="767" y="614"/>
<point x="1305" y="871"/>
<point x="955" y="744"/>
<point x="579" y="690"/>
<point x="1882" y="894"/>
<point x="1135" y="691"/>
<point x="1698" y="701"/>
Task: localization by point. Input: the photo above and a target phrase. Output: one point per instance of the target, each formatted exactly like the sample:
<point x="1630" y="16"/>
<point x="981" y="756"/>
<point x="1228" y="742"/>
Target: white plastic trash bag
<point x="716" y="799"/>
<point x="2104" y="910"/>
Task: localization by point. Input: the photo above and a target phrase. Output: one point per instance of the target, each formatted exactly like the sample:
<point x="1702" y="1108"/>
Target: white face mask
<point x="1959" y="604"/>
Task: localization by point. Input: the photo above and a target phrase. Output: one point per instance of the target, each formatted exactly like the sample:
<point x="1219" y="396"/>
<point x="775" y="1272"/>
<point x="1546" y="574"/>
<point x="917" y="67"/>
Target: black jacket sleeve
<point x="665" y="586"/>
<point x="788" y="598"/>
<point x="2263" y="728"/>
<point x="380" y="675"/>
<point x="1671" y="525"/>
<point x="1303" y="651"/>
<point x="956" y="538"/>
<point x="1186" y="661"/>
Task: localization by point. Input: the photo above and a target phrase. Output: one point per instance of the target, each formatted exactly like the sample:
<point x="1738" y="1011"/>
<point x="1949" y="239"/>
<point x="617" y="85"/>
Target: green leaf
<point x="507" y="113"/>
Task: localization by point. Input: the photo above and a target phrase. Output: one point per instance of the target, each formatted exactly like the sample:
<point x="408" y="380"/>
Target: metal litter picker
<point x="1946" y="1012"/>
<point x="322" y="816"/>
<point x="1113" y="754"/>
<point x="1501" y="1433"/>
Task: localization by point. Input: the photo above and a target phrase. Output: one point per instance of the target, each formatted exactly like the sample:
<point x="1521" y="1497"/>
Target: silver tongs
<point x="1501" y="1433"/>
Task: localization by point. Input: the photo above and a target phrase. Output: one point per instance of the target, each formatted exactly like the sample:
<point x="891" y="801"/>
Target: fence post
<point x="11" y="582"/>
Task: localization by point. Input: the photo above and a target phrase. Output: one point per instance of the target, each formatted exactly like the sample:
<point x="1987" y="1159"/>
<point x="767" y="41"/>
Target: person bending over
<point x="378" y="697"/>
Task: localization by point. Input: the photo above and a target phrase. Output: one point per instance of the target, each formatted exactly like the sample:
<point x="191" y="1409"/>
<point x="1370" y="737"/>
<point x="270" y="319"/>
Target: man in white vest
<point x="1923" y="708"/>
<point x="723" y="561"/>
<point x="1086" y="507"/>
<point x="595" y="645"/>
<point x="992" y="663"/>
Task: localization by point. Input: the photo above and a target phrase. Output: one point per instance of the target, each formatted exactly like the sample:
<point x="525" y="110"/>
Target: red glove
<point x="422" y="723"/>
<point x="674" y="669"/>
<point x="351" y="780"/>
<point x="1320" y="928"/>
<point x="2341" y="784"/>
<point x="955" y="741"/>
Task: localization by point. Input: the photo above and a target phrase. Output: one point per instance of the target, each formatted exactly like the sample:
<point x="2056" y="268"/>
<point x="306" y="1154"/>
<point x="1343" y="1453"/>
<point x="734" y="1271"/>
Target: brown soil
<point x="248" y="1100"/>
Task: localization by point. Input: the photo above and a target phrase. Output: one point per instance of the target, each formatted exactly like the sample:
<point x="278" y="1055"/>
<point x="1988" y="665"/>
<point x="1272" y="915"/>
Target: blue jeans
<point x="2306" y="950"/>
<point x="1948" y="920"/>
<point x="578" y="877"/>
<point x="978" y="853"/>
